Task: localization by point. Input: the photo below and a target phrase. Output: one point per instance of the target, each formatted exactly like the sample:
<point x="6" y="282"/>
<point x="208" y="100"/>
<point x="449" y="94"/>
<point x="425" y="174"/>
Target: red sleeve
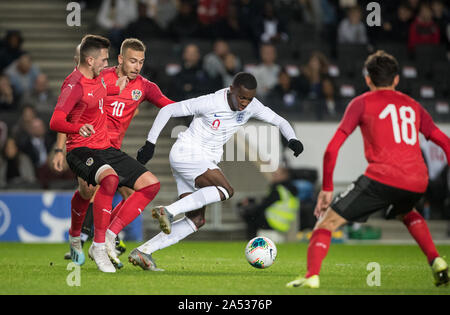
<point x="427" y="125"/>
<point x="59" y="123"/>
<point x="352" y="115"/>
<point x="330" y="157"/>
<point x="154" y="95"/>
<point x="433" y="133"/>
<point x="70" y="95"/>
<point x="349" y="122"/>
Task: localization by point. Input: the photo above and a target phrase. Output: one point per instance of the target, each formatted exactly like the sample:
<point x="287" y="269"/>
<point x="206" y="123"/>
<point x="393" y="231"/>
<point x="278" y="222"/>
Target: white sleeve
<point x="265" y="114"/>
<point x="194" y="106"/>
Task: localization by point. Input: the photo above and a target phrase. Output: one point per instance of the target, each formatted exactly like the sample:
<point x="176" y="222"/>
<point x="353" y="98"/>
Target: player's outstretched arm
<point x="264" y="113"/>
<point x="329" y="162"/>
<point x="154" y="95"/>
<point x="348" y="124"/>
<point x="145" y="153"/>
<point x="172" y="110"/>
<point x="289" y="134"/>
<point x="433" y="133"/>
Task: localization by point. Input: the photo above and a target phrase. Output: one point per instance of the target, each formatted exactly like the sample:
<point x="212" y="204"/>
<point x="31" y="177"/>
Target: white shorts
<point x="187" y="163"/>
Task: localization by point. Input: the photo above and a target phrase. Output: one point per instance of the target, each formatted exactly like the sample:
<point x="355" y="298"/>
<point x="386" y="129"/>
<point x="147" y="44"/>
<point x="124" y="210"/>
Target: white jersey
<point x="215" y="122"/>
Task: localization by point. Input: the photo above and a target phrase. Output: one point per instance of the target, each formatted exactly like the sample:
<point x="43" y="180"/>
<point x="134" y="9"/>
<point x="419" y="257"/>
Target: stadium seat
<point x="352" y="52"/>
<point x="244" y="50"/>
<point x="442" y="109"/>
<point x="303" y="33"/>
<point x="351" y="59"/>
<point x="398" y="50"/>
<point x="285" y="51"/>
<point x="430" y="53"/>
<point x="159" y="46"/>
<point x="441" y="77"/>
<point x="427" y="55"/>
<point x="424" y="89"/>
<point x="350" y="86"/>
<point x="405" y="86"/>
<point x="161" y="52"/>
<point x="438" y="109"/>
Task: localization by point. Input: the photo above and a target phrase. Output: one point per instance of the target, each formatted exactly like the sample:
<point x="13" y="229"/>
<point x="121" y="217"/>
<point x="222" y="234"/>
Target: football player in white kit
<point x="196" y="153"/>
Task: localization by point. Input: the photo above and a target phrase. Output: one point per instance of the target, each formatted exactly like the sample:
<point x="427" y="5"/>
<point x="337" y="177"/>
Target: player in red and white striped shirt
<point x="396" y="177"/>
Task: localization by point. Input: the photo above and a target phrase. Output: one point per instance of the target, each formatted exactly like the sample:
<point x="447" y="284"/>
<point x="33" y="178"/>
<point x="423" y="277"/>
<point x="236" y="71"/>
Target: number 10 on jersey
<point x="118" y="108"/>
<point x="407" y="117"/>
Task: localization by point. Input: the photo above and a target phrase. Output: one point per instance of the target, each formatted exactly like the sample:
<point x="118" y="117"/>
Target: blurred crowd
<point x="268" y="21"/>
<point x="26" y="104"/>
<point x="293" y="45"/>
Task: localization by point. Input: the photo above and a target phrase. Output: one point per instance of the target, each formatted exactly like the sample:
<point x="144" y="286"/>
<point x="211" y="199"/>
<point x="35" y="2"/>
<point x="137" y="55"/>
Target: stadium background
<point x="35" y="207"/>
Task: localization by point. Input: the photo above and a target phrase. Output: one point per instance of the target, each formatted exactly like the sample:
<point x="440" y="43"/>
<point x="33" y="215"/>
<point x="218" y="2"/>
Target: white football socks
<point x="180" y="230"/>
<point x="197" y="200"/>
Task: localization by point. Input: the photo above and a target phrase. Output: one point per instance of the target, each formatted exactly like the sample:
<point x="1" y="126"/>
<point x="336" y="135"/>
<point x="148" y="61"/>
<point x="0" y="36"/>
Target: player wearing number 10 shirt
<point x="88" y="159"/>
<point x="396" y="176"/>
<point x="121" y="108"/>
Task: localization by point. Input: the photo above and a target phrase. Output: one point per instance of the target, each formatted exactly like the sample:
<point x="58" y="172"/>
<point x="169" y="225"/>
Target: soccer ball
<point x="261" y="252"/>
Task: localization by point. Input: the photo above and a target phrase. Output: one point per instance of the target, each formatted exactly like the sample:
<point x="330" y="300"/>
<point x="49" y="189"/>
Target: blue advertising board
<point x="43" y="217"/>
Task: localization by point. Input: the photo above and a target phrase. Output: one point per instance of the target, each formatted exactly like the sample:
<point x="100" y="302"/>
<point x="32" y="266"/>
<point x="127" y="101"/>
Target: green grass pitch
<point x="210" y="268"/>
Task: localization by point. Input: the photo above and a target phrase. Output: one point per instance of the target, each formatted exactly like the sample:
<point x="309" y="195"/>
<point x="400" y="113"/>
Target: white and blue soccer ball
<point x="261" y="252"/>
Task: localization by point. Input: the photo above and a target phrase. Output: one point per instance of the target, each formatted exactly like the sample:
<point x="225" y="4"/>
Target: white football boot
<point x="99" y="255"/>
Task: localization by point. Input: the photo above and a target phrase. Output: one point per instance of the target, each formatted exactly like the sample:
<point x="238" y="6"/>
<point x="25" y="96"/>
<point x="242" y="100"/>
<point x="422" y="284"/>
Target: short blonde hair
<point x="132" y="43"/>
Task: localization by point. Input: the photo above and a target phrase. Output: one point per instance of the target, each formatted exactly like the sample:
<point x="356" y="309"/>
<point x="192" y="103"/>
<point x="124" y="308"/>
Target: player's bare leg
<point x="418" y="229"/>
<point x="214" y="187"/>
<point x="216" y="178"/>
<point x="318" y="248"/>
<point x="197" y="217"/>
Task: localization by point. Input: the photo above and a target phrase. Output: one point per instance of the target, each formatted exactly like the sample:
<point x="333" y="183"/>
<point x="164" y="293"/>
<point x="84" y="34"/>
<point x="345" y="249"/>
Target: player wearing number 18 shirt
<point x="396" y="177"/>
